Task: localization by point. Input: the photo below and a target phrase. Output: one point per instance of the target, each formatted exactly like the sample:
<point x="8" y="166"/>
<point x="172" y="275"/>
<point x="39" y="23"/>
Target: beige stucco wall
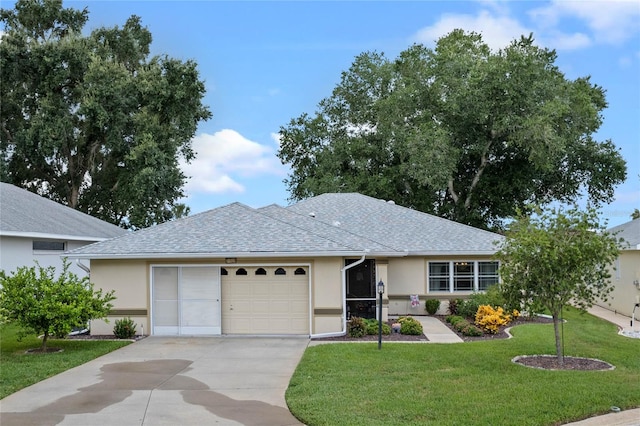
<point x="326" y="295"/>
<point x="625" y="294"/>
<point x="129" y="279"/>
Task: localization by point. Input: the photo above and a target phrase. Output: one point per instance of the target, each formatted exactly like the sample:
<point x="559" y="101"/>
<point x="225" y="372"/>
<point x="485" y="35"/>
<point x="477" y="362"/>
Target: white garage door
<point x="265" y="300"/>
<point x="186" y="300"/>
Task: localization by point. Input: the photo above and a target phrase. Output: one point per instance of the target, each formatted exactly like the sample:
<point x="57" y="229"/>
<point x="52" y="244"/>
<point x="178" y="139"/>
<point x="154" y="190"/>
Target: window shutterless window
<point x="49" y="245"/>
<point x="487" y="275"/>
<point x="462" y="276"/>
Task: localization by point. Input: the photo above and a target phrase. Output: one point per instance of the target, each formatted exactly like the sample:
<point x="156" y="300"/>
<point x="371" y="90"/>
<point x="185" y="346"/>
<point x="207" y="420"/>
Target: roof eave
<point x="244" y="255"/>
<point x="48" y="236"/>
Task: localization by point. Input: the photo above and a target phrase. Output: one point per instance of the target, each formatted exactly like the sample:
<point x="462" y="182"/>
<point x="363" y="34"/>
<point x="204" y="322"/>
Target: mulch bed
<point x="502" y="331"/>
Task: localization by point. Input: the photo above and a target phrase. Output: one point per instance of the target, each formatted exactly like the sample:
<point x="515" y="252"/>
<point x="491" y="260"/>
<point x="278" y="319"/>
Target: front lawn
<point x="467" y="383"/>
<point x="19" y="369"/>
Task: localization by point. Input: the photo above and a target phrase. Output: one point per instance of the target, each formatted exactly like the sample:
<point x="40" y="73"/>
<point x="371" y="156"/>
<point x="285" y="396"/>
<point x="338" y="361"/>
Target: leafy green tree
<point x="635" y="214"/>
<point x="92" y="121"/>
<point x="554" y="259"/>
<point x="459" y="131"/>
<point x="43" y="302"/>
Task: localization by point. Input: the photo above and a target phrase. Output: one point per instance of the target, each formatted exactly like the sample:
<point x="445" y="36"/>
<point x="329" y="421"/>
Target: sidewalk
<point x="622" y="321"/>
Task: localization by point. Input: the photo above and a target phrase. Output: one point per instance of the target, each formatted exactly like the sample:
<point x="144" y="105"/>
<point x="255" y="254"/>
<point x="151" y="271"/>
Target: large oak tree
<point x="460" y="131"/>
<point x="93" y="121"/>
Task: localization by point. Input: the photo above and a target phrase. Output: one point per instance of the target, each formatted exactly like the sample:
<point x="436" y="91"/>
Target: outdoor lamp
<point x="380" y="292"/>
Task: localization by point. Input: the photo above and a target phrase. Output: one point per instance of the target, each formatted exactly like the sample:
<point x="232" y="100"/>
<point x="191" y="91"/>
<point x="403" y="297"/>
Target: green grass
<point x="19" y="369"/>
<point x="467" y="383"/>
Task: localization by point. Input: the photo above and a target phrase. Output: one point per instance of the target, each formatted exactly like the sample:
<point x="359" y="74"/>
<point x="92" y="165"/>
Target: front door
<point x="361" y="289"/>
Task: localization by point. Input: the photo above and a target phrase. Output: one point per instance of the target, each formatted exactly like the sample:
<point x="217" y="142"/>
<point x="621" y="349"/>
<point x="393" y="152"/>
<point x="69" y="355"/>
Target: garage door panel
<point x="265" y="304"/>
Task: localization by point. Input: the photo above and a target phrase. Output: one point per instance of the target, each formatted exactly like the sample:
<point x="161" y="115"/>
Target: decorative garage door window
<point x="461" y="276"/>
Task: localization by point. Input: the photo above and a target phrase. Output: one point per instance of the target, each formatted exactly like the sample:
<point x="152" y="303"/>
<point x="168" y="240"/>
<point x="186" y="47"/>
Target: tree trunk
<point x="556" y="329"/>
<point x="43" y="348"/>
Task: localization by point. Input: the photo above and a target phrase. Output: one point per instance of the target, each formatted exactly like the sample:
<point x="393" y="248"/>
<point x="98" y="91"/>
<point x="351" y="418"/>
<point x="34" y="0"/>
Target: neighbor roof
<point x="630" y="232"/>
<point x="327" y="225"/>
<point x="25" y="214"/>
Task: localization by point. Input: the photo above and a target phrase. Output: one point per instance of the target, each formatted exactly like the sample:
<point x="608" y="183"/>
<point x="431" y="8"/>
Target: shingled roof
<point x="25" y="214"/>
<point x="327" y="225"/>
<point x="629" y="232"/>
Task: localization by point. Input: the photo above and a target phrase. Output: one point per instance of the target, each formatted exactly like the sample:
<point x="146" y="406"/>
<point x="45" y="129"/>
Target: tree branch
<point x="476" y="178"/>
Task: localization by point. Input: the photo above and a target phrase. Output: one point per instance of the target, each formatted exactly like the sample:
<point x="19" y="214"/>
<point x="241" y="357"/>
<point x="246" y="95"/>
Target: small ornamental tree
<point x="554" y="259"/>
<point x="43" y="303"/>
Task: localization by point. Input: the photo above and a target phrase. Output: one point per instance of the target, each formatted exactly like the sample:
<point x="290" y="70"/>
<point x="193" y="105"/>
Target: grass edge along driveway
<point x="467" y="383"/>
<point x="19" y="369"/>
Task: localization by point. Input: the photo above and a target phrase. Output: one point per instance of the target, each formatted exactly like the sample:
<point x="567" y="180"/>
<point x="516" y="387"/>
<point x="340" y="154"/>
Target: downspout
<point x="344" y="301"/>
<point x="83" y="267"/>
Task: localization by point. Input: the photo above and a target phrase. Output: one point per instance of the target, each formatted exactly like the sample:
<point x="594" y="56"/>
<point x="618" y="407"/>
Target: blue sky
<point x="267" y="62"/>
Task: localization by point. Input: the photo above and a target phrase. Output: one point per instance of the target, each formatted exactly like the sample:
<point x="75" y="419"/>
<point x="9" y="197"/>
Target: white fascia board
<point x="43" y="235"/>
<point x="252" y="254"/>
<point x="453" y="253"/>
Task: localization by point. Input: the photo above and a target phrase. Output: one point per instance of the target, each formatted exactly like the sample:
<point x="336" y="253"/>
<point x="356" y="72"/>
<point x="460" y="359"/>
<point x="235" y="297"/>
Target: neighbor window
<point x="261" y="271"/>
<point x="461" y="276"/>
<point x="280" y="271"/>
<point x="241" y="271"/>
<point x="300" y="271"/>
<point x="48" y="245"/>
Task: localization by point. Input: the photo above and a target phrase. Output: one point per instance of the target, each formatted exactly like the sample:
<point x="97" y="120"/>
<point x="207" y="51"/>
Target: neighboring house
<point x="297" y="270"/>
<point x="626" y="276"/>
<point x="33" y="228"/>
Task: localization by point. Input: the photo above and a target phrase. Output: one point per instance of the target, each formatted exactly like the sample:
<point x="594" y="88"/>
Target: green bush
<point x="372" y="326"/>
<point x="453" y="319"/>
<point x="432" y="306"/>
<point x="125" y="328"/>
<point x="492" y="297"/>
<point x="357" y="327"/>
<point x="454" y="306"/>
<point x="410" y="326"/>
<point x="471" y="330"/>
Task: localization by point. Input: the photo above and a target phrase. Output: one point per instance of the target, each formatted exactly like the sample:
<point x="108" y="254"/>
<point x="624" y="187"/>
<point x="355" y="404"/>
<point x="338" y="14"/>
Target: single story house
<point x="626" y="274"/>
<point x="297" y="270"/>
<point x="34" y="228"/>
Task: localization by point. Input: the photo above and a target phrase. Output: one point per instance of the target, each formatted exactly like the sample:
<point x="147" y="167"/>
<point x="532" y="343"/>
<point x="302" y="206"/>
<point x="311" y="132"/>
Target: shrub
<point x="468" y="308"/>
<point x="490" y="319"/>
<point x="492" y="297"/>
<point x="357" y="327"/>
<point x="454" y="306"/>
<point x="410" y="326"/>
<point x="471" y="330"/>
<point x="372" y="326"/>
<point x="125" y="328"/>
<point x="432" y="306"/>
<point x="453" y="319"/>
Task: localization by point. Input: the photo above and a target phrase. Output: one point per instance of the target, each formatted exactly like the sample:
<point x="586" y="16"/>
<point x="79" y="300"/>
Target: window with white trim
<point x="461" y="276"/>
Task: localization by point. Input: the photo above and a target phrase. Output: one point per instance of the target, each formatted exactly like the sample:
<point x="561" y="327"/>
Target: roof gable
<point x="23" y="213"/>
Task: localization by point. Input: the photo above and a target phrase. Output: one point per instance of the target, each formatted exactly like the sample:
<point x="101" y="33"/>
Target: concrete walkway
<point x="437" y="332"/>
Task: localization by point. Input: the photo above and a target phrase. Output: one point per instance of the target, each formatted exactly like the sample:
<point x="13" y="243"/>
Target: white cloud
<point x="497" y="31"/>
<point x="561" y="41"/>
<point x="224" y="157"/>
<point x="277" y="138"/>
<point x="610" y="22"/>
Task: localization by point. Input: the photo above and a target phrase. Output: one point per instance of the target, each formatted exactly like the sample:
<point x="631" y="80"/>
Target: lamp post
<point x="380" y="292"/>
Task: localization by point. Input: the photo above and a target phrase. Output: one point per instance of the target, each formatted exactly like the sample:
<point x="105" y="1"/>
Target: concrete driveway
<point x="168" y="381"/>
